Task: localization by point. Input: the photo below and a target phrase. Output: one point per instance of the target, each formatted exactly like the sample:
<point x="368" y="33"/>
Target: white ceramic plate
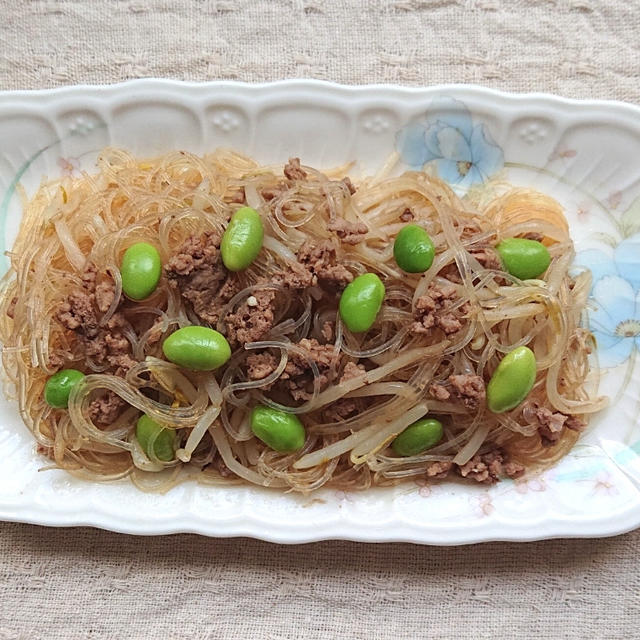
<point x="585" y="154"/>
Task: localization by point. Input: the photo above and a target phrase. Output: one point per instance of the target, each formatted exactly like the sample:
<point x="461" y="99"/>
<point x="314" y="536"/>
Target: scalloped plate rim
<point x="298" y="83"/>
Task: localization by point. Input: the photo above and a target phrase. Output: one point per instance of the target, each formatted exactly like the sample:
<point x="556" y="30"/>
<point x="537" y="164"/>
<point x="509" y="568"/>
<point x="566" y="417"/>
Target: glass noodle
<point x="351" y="414"/>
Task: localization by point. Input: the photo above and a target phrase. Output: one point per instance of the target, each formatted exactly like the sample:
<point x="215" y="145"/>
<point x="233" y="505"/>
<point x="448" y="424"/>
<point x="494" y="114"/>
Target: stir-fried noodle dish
<point x="282" y="326"/>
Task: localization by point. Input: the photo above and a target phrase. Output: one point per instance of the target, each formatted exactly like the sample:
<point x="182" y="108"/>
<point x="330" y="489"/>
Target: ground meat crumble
<point x="352" y="370"/>
<point x="551" y="424"/>
<point x="197" y="272"/>
<point x="487" y="468"/>
<point x="320" y="259"/>
<point x="484" y="468"/>
<point x="105" y="295"/>
<point x="251" y="322"/>
<point x="327" y="331"/>
<point x="260" y="365"/>
<point x="434" y="309"/>
<point x="297" y="378"/>
<point x="298" y="369"/>
<point x="347" y="183"/>
<point x="348" y="232"/>
<point x="105" y="410"/>
<point x="293" y="171"/>
<point x="105" y="345"/>
<point x="439" y="470"/>
<point x="470" y="389"/>
<point x="77" y="314"/>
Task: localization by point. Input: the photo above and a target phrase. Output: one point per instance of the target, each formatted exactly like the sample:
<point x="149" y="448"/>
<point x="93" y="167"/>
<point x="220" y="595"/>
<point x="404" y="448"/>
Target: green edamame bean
<point x="148" y="431"/>
<point x="360" y="302"/>
<point x="418" y="437"/>
<point x="524" y="258"/>
<point x="140" y="268"/>
<point x="242" y="240"/>
<point x="197" y="348"/>
<point x="512" y="380"/>
<point x="279" y="430"/>
<point x="59" y="385"/>
<point x="413" y="249"/>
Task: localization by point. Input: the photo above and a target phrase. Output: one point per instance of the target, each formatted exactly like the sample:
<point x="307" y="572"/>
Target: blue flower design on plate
<point x="615" y="322"/>
<point x="463" y="152"/>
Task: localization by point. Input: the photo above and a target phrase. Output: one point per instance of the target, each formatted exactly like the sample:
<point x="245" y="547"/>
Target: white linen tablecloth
<point x="83" y="583"/>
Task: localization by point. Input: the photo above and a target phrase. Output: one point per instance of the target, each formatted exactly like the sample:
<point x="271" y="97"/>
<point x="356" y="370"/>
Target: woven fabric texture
<point x="83" y="583"/>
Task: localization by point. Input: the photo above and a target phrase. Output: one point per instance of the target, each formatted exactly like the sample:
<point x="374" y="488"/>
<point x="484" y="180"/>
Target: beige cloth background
<point x="82" y="583"/>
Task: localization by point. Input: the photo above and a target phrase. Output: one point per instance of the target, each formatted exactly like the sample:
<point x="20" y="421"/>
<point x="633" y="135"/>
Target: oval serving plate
<point x="584" y="154"/>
